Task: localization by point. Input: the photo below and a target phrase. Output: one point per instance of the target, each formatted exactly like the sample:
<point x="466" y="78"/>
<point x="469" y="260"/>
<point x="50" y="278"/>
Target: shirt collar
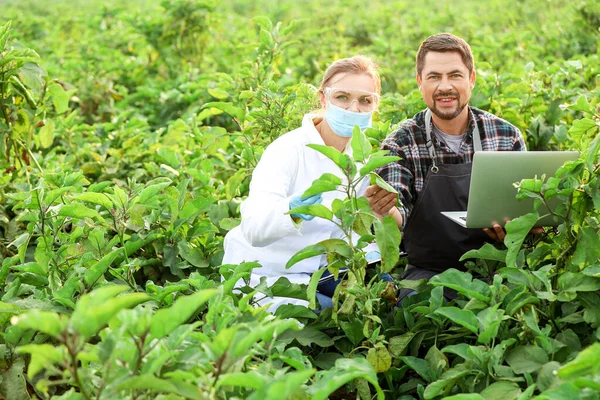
<point x="471" y="125"/>
<point x="315" y="137"/>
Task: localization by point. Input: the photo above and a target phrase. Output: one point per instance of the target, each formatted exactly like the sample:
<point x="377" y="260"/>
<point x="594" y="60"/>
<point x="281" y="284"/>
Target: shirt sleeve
<point x="264" y="218"/>
<point x="399" y="174"/>
<point x="519" y="144"/>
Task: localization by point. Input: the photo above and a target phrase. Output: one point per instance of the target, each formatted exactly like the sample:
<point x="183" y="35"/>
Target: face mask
<point x="342" y="121"/>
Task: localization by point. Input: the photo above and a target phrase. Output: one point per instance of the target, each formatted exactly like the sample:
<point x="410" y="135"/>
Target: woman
<point x="349" y="93"/>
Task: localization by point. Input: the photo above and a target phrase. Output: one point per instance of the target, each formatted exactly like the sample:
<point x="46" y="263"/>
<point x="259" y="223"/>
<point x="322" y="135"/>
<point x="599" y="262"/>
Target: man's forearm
<point x="397" y="215"/>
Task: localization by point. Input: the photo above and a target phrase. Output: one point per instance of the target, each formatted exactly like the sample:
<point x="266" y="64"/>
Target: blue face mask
<point x="342" y="121"/>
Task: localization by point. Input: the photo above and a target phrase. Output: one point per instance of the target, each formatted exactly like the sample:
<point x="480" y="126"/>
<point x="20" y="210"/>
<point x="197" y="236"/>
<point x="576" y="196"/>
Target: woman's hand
<point x="298" y="201"/>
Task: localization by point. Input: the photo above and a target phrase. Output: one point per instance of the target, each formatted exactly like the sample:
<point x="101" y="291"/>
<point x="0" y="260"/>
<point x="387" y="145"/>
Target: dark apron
<point x="433" y="242"/>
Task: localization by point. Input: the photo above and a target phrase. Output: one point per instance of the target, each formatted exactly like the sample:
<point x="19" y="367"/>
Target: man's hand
<point x="380" y="200"/>
<point x="497" y="233"/>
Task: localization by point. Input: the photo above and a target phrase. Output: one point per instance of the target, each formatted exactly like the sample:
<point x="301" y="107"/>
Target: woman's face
<point x="354" y="86"/>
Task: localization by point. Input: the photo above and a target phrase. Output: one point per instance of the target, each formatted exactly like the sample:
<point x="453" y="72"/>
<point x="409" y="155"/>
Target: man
<point x="436" y="147"/>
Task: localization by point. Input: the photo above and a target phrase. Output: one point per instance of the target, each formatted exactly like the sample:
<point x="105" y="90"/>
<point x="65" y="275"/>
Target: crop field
<point x="129" y="132"/>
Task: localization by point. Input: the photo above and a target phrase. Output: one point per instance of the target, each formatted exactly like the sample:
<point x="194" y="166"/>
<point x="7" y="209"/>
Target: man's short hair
<point x="443" y="43"/>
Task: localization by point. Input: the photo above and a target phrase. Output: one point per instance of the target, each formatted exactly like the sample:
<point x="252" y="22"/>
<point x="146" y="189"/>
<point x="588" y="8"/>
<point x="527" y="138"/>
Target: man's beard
<point x="447" y="115"/>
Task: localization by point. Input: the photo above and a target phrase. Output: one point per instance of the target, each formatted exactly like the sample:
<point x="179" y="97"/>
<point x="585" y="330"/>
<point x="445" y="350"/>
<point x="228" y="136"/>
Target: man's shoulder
<point x="407" y="131"/>
<point x="493" y="122"/>
<point x="416" y="122"/>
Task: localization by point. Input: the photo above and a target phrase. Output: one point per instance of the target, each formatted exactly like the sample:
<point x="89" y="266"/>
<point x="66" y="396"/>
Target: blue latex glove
<point x="298" y="201"/>
<point x="372" y="256"/>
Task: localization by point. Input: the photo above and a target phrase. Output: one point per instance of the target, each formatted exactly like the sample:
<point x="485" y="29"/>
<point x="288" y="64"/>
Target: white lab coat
<point x="267" y="234"/>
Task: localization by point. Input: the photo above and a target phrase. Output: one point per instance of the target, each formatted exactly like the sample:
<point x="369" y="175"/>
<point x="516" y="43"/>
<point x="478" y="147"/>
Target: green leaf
<point x="288" y="386"/>
<point x="228" y="108"/>
<point x="465" y="396"/>
<point x="48" y="322"/>
<point x="586" y="363"/>
<point x="265" y="332"/>
<point x="21" y="243"/>
<point x="592" y="270"/>
<point x="47" y="134"/>
<point x="388" y="238"/>
<point x="120" y="198"/>
<point x="13" y="385"/>
<point x="294" y="357"/>
<point x="463" y="283"/>
<point x="516" y="232"/>
<point x="583" y="105"/>
<point x="345" y="370"/>
<point x="379" y="358"/>
<point x="377" y="180"/>
<point x="251" y="379"/>
<point x="325" y="183"/>
<point x="361" y="147"/>
<point x="464" y="318"/>
<point x="284" y="288"/>
<point x="340" y="159"/>
<point x="437" y="361"/>
<point x="266" y="38"/>
<point x="294" y="311"/>
<point x="219" y="94"/>
<point x="580" y="127"/>
<point x="527" y="358"/>
<point x="166" y="320"/>
<point x="547" y="376"/>
<point x="418" y="365"/>
<point x="592" y="153"/>
<point x="486" y="252"/>
<point x="4" y="35"/>
<point x="94" y="272"/>
<point x="398" y="344"/>
<point x="354" y="330"/>
<point x="578" y="282"/>
<point x="376" y="162"/>
<point x="447" y="380"/>
<point x="96" y="198"/>
<point x="76" y="210"/>
<point x="154" y="384"/>
<point x="326" y="246"/>
<point x="232" y="187"/>
<point x="566" y="391"/>
<point x="311" y="291"/>
<point x="95" y="309"/>
<point x="307" y="336"/>
<point x="42" y="356"/>
<point x="587" y="251"/>
<point x="461" y="350"/>
<point x="489" y="323"/>
<point x="60" y="98"/>
<point x="501" y="391"/>
<point x="149" y="192"/>
<point x="168" y="156"/>
<point x="327" y="361"/>
<point x="318" y="210"/>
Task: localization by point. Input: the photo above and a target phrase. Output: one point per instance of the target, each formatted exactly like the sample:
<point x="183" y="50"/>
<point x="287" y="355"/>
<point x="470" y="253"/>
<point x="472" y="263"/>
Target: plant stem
<point x="73" y="353"/>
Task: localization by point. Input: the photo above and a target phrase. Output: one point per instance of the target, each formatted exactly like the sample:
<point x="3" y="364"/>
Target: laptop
<point x="492" y="192"/>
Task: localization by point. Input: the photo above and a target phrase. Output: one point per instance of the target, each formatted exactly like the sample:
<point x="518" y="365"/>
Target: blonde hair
<point x="353" y="65"/>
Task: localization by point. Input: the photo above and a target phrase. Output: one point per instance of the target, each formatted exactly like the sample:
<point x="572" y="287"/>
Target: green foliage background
<point x="129" y="133"/>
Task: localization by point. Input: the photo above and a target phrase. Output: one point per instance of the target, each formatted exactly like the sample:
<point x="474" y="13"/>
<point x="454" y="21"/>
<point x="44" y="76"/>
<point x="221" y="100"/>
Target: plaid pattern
<point x="407" y="176"/>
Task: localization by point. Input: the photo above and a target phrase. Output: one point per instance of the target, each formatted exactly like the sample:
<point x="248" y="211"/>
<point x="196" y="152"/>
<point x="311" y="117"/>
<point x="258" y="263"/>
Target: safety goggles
<point x="344" y="98"/>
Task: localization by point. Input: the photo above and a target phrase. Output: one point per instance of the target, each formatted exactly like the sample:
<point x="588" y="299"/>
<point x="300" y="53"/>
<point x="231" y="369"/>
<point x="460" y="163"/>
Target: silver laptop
<point x="492" y="192"/>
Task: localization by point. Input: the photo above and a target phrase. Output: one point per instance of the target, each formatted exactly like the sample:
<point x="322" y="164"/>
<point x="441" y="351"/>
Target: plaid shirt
<point x="407" y="176"/>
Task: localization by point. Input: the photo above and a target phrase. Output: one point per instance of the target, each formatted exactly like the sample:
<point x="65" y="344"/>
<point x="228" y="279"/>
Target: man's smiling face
<point x="446" y="83"/>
